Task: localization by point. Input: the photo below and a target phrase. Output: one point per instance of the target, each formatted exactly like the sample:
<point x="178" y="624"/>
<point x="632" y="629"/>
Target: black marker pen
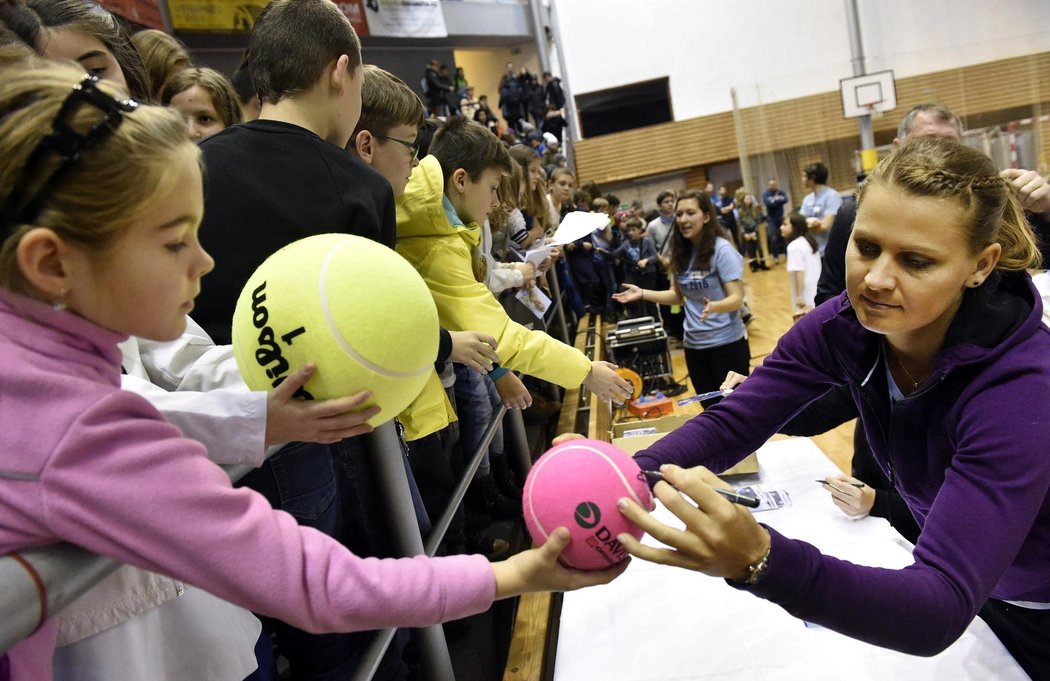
<point x="735" y="497"/>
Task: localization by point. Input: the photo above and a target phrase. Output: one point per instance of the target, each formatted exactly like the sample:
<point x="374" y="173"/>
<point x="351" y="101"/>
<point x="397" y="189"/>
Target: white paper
<point x="636" y="432"/>
<point x="768" y="500"/>
<point x="577" y="225"/>
<point x="534" y="299"/>
<point x="537" y="255"/>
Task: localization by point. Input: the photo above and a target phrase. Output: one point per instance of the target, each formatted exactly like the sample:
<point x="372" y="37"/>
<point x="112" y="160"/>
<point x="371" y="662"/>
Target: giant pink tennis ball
<point x="576" y="485"/>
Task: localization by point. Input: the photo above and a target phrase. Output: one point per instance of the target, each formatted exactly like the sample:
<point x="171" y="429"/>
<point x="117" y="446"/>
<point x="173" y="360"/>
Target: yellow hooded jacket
<point x="442" y="254"/>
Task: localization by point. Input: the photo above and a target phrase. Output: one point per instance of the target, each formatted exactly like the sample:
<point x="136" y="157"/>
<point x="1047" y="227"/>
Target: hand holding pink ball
<point x="576" y="485"/>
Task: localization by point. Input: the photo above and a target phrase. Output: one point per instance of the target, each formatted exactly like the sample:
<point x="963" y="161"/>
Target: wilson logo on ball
<point x="588" y="515"/>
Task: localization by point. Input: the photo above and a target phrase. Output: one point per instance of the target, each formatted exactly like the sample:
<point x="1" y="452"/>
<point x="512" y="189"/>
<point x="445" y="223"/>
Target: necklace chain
<point x="914" y="383"/>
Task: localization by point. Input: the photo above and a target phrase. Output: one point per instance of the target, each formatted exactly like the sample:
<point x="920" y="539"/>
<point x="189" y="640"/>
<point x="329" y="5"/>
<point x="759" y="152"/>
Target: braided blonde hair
<point x="111" y="184"/>
<point x="939" y="168"/>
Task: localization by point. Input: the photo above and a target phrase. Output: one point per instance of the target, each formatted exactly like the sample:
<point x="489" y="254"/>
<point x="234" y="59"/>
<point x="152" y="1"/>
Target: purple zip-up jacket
<point x="967" y="451"/>
<point x="85" y="462"/>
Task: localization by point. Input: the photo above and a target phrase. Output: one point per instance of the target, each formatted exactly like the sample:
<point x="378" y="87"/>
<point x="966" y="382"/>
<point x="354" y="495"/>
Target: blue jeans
<point x="476" y="401"/>
<point x="363" y="526"/>
<point x="301" y="480"/>
<point x="776" y="241"/>
<point x="267" y="670"/>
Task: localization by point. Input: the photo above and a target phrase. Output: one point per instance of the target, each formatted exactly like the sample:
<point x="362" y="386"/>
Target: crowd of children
<point x="127" y="174"/>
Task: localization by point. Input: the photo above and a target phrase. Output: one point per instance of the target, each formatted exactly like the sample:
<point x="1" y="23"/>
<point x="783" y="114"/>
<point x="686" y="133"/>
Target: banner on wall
<point x="144" y="12"/>
<point x="238" y="16"/>
<point x="405" y="18"/>
<point x="355" y="12"/>
<point x="229" y="16"/>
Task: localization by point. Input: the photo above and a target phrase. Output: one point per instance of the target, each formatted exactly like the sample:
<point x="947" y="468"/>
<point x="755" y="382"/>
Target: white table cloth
<point x="658" y="623"/>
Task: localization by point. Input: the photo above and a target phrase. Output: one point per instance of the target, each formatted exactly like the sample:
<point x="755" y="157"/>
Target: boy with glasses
<point x="387" y="133"/>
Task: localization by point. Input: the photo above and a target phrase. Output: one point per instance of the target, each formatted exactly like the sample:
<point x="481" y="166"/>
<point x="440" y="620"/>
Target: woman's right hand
<point x="629" y="294"/>
<point x="720" y="539"/>
<point x="539" y="570"/>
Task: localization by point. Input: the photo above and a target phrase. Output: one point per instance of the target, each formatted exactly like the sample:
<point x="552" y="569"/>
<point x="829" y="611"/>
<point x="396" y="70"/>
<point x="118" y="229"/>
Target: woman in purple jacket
<point x="100" y="203"/>
<point x="939" y="338"/>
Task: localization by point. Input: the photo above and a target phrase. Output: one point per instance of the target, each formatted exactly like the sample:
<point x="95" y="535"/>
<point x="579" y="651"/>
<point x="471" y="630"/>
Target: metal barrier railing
<point x="434" y="649"/>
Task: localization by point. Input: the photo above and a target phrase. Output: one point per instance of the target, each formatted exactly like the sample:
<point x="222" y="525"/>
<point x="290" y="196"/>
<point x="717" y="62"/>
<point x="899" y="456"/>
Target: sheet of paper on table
<point x="656" y="622"/>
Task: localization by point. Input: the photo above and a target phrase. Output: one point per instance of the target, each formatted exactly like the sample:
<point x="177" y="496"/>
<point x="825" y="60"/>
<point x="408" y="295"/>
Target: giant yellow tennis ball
<point x="352" y="306"/>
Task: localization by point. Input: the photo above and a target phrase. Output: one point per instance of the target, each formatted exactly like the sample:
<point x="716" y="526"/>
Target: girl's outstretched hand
<point x="720" y="538"/>
<point x="539" y="570"/>
<point x="565" y="437"/>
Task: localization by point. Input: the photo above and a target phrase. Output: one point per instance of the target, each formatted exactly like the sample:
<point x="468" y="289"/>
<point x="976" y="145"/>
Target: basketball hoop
<point x="868" y="95"/>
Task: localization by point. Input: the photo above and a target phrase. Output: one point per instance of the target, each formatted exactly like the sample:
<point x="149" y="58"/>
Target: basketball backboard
<point x="868" y="94"/>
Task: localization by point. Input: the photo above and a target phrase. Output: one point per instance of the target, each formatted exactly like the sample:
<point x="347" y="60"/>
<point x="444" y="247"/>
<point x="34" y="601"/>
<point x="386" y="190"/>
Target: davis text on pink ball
<point x="576" y="485"/>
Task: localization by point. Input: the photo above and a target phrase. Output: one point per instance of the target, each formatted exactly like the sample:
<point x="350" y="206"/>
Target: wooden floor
<point x="769" y="295"/>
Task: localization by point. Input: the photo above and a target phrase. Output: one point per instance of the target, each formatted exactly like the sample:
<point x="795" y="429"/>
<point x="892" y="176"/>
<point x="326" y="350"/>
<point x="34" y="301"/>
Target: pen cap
<point x="576" y="485"/>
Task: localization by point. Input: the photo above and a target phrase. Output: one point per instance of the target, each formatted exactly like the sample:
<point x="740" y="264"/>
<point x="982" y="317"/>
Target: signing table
<point x="658" y="623"/>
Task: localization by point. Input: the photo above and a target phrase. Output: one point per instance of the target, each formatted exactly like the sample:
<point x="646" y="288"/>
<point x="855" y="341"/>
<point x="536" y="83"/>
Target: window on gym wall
<point x="625" y="108"/>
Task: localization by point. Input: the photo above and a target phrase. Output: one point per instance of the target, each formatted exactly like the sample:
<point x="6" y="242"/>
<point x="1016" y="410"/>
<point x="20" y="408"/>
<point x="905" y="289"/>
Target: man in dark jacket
<point x="552" y="88"/>
<point x="436" y="88"/>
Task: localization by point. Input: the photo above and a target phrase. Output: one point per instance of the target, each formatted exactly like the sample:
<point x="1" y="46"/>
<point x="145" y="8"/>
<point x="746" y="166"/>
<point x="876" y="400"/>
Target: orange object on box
<point x="651" y="407"/>
<point x="634" y="379"/>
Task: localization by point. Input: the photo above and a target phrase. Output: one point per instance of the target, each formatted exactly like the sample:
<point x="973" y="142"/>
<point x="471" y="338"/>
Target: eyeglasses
<point x="411" y="146"/>
<point x="18" y="209"/>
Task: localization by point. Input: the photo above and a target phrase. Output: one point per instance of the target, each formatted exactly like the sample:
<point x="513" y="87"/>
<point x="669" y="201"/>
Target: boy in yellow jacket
<point x="449" y="194"/>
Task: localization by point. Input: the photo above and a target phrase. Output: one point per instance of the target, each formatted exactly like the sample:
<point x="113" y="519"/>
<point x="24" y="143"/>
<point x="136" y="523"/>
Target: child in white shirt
<point x="803" y="263"/>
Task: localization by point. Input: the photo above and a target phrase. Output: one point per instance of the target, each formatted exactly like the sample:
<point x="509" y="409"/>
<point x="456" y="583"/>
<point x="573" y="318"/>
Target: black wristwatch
<point x="756" y="571"/>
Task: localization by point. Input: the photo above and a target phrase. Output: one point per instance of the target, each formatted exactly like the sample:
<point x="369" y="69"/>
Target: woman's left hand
<point x="707" y="309"/>
<point x="720" y="538"/>
<point x="851" y="495"/>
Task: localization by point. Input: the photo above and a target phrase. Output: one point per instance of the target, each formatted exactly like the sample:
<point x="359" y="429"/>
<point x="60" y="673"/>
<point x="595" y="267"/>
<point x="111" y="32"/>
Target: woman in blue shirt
<point x="708" y="279"/>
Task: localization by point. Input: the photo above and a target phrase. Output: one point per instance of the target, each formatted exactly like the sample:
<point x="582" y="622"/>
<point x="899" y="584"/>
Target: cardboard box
<point x="634" y="436"/>
<point x="664" y="424"/>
